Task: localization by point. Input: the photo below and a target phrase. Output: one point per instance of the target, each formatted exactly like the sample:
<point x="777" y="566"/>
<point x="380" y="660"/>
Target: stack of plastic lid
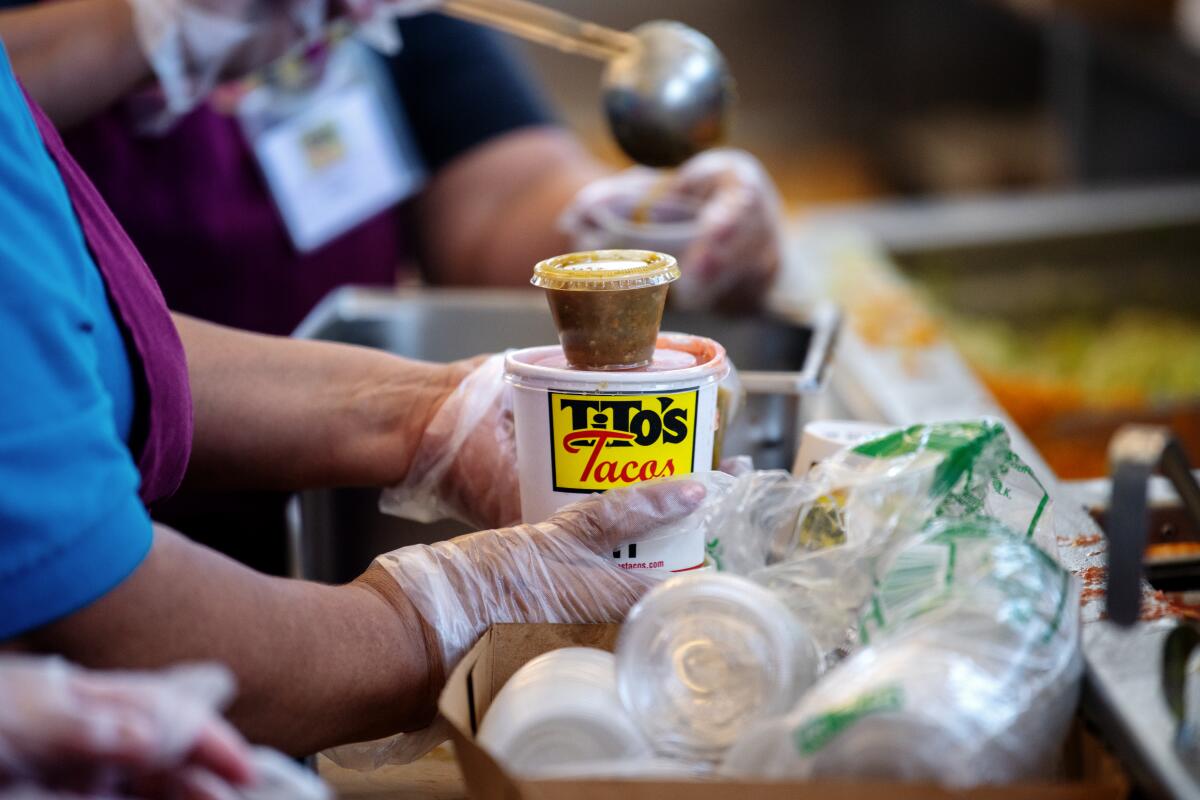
<point x="702" y="657"/>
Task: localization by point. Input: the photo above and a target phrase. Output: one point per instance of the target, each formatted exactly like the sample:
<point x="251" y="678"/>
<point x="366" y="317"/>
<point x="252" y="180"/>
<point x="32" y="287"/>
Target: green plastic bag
<point x="823" y="542"/>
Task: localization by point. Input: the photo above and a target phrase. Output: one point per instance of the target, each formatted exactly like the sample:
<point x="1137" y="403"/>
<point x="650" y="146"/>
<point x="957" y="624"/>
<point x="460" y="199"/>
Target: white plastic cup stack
<point x="668" y="224"/>
<point x="885" y="714"/>
<point x="913" y="710"/>
<point x="561" y="711"/>
<point x="702" y="657"/>
<point x="971" y="675"/>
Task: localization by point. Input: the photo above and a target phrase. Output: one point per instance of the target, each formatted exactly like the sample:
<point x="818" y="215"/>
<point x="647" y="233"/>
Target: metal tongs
<point x="667" y="90"/>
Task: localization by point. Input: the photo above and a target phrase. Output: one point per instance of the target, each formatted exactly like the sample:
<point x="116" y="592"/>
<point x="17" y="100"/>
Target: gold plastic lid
<point x="605" y="270"/>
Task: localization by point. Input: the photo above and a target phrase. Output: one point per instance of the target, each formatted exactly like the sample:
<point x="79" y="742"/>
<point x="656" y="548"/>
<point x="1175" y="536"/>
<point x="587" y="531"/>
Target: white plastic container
<point x="584" y="432"/>
<point x="561" y="710"/>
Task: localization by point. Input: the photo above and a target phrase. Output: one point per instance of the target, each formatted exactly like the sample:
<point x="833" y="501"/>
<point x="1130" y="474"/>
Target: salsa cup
<point x="607" y="304"/>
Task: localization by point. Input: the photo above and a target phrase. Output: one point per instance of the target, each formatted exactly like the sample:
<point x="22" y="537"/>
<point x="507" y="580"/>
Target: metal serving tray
<point x="337" y="532"/>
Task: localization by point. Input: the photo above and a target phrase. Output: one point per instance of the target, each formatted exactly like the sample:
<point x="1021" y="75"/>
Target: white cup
<point x="670" y="224"/>
<point x="561" y="711"/>
<point x="556" y="468"/>
<point x="823" y="438"/>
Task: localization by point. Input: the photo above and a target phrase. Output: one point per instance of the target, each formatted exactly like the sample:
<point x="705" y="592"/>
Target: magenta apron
<point x="163" y="410"/>
<point x="195" y="204"/>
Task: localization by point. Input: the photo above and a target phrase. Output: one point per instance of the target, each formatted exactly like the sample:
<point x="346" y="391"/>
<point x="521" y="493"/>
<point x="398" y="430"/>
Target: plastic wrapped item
<point x="64" y="728"/>
<point x="560" y="570"/>
<point x="971" y="468"/>
<point x="464" y="466"/>
<point x="969" y="673"/>
<point x="560" y="712"/>
<point x="719" y="214"/>
<point x="821" y="544"/>
<point x="703" y="657"/>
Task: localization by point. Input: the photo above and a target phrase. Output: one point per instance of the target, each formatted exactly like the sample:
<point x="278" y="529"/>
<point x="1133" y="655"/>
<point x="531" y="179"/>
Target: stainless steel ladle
<point x="667" y="90"/>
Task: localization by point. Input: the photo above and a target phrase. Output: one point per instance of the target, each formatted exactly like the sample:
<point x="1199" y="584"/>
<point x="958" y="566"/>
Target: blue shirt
<point x="71" y="523"/>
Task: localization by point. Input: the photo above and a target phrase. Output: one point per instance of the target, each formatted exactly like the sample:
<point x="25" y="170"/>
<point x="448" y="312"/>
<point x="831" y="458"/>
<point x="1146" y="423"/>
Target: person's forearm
<point x="278" y="413"/>
<point x="316" y="665"/>
<point x="76" y="57"/>
<point x="491" y="214"/>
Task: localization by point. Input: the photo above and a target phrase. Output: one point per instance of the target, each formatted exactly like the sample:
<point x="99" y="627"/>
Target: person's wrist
<point x="414" y="630"/>
<point x="438" y="383"/>
<point x="392" y="411"/>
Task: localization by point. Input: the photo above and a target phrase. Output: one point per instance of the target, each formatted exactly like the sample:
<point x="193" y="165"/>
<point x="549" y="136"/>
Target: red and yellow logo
<point x="604" y="441"/>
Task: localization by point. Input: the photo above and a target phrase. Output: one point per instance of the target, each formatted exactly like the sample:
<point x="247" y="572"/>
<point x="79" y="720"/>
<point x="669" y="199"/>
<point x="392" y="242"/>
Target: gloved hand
<point x="143" y="734"/>
<point x="376" y="20"/>
<point x="191" y="44"/>
<point x="736" y="250"/>
<point x="465" y="464"/>
<point x="557" y="571"/>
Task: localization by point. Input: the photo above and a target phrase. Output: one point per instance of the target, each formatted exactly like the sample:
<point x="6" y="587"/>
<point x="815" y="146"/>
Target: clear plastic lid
<point x="605" y="270"/>
<point x="702" y="657"/>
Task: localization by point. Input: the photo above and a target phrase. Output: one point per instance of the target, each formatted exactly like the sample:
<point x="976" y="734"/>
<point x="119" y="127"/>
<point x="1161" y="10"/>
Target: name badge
<point x="335" y="152"/>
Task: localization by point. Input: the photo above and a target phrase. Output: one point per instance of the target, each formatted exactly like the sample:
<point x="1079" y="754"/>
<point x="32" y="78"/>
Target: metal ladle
<point x="666" y="88"/>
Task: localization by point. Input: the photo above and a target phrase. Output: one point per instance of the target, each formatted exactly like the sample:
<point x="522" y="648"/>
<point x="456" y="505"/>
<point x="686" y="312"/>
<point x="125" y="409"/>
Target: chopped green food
<point x="1136" y="357"/>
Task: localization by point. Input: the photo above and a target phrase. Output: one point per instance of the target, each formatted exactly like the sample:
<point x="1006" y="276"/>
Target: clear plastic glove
<point x="191" y="44"/>
<point x="56" y="719"/>
<point x="142" y="734"/>
<point x="732" y="251"/>
<point x="557" y="571"/>
<point x="464" y="467"/>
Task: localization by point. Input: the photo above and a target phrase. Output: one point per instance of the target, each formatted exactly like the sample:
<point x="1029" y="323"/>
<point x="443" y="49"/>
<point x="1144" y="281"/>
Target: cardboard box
<point x="1094" y="774"/>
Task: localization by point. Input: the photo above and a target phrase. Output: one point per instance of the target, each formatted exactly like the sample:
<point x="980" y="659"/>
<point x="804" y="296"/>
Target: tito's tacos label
<point x="600" y="442"/>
